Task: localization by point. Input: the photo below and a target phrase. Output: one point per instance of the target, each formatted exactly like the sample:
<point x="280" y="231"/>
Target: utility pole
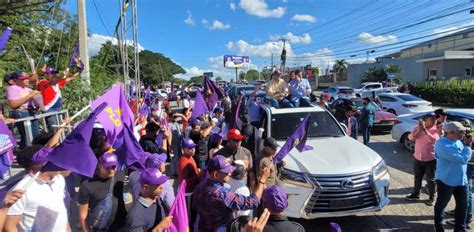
<point x="83" y="39"/>
<point x="283" y="55"/>
<point x="272" y="62"/>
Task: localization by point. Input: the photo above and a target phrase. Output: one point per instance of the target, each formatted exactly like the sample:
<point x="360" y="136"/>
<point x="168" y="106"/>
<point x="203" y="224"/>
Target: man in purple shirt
<point x="215" y="203"/>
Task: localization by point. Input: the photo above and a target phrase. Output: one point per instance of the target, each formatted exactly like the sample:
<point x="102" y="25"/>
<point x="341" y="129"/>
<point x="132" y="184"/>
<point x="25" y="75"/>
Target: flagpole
<point x="77" y="114"/>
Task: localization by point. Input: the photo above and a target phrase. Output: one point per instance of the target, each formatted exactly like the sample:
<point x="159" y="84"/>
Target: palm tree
<point x="340" y="66"/>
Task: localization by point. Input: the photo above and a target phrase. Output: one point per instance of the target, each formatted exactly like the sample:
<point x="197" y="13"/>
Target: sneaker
<point x="429" y="202"/>
<point x="413" y="197"/>
<point x="450" y="212"/>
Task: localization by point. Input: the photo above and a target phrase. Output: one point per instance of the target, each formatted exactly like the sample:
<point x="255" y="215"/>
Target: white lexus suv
<point x="339" y="177"/>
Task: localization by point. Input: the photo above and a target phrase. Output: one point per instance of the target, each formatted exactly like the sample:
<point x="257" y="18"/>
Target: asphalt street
<point x="400" y="214"/>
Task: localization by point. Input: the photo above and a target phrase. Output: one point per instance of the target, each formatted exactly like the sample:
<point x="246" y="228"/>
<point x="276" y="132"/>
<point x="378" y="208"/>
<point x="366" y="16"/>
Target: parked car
<point x="368" y="89"/>
<point x="235" y="90"/>
<point x="403" y="103"/>
<point x="337" y="92"/>
<point x="383" y="121"/>
<point x="405" y="124"/>
<point x="339" y="177"/>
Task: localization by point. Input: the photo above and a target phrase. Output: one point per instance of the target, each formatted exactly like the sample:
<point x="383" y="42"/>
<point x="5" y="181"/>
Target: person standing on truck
<point x="424" y="164"/>
<point x="367" y="119"/>
<point x="300" y="89"/>
<point x="277" y="90"/>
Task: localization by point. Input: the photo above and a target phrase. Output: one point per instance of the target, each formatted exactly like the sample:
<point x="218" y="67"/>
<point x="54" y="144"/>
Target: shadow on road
<point x="394" y="155"/>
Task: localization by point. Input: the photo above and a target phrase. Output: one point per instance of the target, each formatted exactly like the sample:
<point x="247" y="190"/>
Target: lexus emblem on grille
<point x="347" y="184"/>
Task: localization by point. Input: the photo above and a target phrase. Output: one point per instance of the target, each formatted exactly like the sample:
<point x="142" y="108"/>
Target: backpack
<point x="100" y="215"/>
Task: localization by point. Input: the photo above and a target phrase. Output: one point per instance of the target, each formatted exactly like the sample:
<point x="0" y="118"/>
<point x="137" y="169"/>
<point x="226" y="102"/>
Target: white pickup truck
<point x="367" y="89"/>
<point x="339" y="177"/>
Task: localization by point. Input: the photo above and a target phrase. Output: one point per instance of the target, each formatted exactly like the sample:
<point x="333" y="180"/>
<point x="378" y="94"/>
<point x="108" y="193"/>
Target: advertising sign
<point x="232" y="61"/>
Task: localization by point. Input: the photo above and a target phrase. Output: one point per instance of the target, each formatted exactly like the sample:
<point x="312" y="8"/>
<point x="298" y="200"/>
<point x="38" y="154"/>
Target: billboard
<point x="232" y="61"/>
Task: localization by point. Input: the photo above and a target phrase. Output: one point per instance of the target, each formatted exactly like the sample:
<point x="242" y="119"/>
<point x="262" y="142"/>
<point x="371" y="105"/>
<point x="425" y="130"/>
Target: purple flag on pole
<point x="4" y="38"/>
<point x="159" y="139"/>
<point x="297" y="139"/>
<point x="179" y="211"/>
<point x="74" y="153"/>
<point x="76" y="58"/>
<point x="116" y="114"/>
<point x="143" y="110"/>
<point x="200" y="107"/>
<point x="212" y="93"/>
<point x="128" y="150"/>
<point x="237" y="111"/>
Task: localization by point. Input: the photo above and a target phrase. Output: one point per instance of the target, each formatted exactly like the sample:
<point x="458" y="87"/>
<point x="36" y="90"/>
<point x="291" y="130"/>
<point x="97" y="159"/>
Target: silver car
<point x="337" y="92"/>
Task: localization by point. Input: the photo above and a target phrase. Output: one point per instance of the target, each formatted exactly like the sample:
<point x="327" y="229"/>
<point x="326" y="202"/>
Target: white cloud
<point x="96" y="41"/>
<point x="452" y="29"/>
<point x="204" y="21"/>
<point x="215" y="65"/>
<point x="260" y="8"/>
<point x="366" y="37"/>
<point x="262" y="50"/>
<point x="322" y="58"/>
<point x="218" y="25"/>
<point x="189" y="20"/>
<point x="304" y="18"/>
<point x="303" y="39"/>
<point x="232" y="6"/>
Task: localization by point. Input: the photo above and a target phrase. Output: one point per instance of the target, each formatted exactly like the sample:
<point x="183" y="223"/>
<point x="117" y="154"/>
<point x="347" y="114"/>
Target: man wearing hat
<point x="277" y="90"/>
<point x="234" y="151"/>
<point x="149" y="209"/>
<point x="20" y="99"/>
<point x="276" y="201"/>
<point x="425" y="136"/>
<point x="452" y="153"/>
<point x="94" y="190"/>
<point x="50" y="90"/>
<point x="187" y="168"/>
<point x="215" y="203"/>
<point x="269" y="150"/>
<point x="153" y="161"/>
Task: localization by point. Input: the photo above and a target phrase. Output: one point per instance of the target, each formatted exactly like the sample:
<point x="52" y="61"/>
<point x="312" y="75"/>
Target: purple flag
<point x="116" y="114"/>
<point x="297" y="139"/>
<point x="147" y="97"/>
<point x="7" y="141"/>
<point x="4" y="38"/>
<point x="128" y="150"/>
<point x="179" y="211"/>
<point x="159" y="139"/>
<point x="76" y="58"/>
<point x="74" y="153"/>
<point x="211" y="92"/>
<point x="237" y="111"/>
<point x="335" y="227"/>
<point x="200" y="107"/>
<point x="143" y="110"/>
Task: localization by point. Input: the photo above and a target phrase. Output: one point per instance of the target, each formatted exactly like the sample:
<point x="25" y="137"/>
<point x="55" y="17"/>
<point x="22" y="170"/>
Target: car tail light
<point x="409" y="105"/>
<point x="396" y="121"/>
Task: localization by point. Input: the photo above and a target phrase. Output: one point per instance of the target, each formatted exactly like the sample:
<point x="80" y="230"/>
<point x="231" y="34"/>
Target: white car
<point x="403" y="103"/>
<point x="368" y="89"/>
<point x="405" y="124"/>
<point x="339" y="177"/>
<point x="337" y="92"/>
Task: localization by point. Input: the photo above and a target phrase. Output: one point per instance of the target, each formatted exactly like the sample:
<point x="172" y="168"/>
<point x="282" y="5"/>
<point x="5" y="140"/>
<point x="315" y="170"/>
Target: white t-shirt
<point x="239" y="187"/>
<point x="52" y="196"/>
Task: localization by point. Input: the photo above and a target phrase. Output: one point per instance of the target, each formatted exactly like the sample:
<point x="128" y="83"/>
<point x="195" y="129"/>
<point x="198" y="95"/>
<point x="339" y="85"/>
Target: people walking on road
<point x="300" y="90"/>
<point x="366" y="120"/>
<point x="452" y="153"/>
<point x="277" y="90"/>
<point x="424" y="163"/>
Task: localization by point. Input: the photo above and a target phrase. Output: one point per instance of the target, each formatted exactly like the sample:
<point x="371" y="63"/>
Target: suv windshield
<point x="321" y="125"/>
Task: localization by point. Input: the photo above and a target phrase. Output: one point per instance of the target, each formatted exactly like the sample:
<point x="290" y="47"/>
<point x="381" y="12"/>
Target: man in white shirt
<point x="46" y="195"/>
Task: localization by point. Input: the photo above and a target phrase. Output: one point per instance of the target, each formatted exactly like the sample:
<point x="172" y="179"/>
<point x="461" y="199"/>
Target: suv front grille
<point x="331" y="196"/>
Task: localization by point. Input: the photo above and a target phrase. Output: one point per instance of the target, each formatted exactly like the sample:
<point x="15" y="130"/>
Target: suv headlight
<point x="294" y="178"/>
<point x="380" y="170"/>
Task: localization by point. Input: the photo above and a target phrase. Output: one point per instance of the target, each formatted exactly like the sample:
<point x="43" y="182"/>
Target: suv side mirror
<point x="343" y="126"/>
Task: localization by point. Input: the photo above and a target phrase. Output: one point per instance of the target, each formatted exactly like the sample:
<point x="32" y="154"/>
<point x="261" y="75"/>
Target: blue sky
<point x="197" y="33"/>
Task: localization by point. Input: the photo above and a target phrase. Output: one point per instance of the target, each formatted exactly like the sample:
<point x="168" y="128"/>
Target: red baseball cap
<point x="234" y="134"/>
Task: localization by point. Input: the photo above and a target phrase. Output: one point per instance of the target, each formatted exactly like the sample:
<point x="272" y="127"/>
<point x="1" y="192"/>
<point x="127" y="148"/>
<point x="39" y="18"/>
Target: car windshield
<point x="409" y="98"/>
<point x="346" y="90"/>
<point x="361" y="86"/>
<point x="245" y="88"/>
<point x="321" y="125"/>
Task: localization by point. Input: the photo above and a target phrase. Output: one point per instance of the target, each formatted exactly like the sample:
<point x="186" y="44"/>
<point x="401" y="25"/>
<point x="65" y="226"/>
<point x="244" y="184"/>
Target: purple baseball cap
<point x="155" y="160"/>
<point x="188" y="143"/>
<point x="143" y="156"/>
<point x="40" y="156"/>
<point x="215" y="137"/>
<point x="274" y="199"/>
<point x="108" y="160"/>
<point x="221" y="164"/>
<point x="50" y="70"/>
<point x="152" y="176"/>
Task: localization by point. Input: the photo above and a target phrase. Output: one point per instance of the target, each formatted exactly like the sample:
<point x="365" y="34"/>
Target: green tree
<point x="252" y="75"/>
<point x="218" y="78"/>
<point x="340" y="66"/>
<point x="155" y="67"/>
<point x="374" y="74"/>
<point x="196" y="79"/>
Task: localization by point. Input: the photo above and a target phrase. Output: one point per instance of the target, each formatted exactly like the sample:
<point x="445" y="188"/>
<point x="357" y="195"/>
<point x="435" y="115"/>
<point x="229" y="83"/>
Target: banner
<point x="231" y="61"/>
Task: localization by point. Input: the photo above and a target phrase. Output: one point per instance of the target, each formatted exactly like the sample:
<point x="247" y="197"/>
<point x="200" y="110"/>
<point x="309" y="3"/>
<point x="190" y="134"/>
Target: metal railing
<point x="60" y="115"/>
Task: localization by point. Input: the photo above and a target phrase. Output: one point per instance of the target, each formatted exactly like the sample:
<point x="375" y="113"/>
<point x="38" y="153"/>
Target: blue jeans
<point x="51" y="120"/>
<point x="18" y="114"/>
<point x="469" y="204"/>
<point x="444" y="195"/>
<point x="284" y="103"/>
<point x="302" y="101"/>
<point x="366" y="133"/>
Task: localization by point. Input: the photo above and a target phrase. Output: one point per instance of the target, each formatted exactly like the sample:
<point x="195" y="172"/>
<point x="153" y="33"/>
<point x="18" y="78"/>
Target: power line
<point x="100" y="17"/>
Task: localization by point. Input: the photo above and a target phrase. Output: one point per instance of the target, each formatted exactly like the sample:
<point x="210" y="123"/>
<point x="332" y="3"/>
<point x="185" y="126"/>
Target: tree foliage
<point x="252" y="75"/>
<point x="340" y="66"/>
<point x="374" y="74"/>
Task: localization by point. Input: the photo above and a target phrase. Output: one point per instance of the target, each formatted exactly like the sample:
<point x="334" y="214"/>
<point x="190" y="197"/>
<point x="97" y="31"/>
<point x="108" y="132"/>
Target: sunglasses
<point x="112" y="167"/>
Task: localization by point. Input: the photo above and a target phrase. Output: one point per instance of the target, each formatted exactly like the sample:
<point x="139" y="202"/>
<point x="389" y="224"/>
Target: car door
<point x="388" y="102"/>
